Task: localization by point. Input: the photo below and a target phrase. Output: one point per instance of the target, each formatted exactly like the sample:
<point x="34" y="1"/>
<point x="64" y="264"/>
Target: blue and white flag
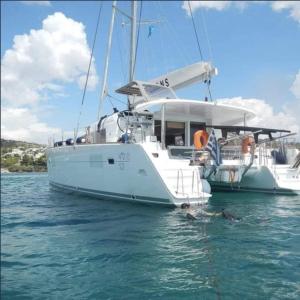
<point x="213" y="148"/>
<point x="150" y="30"/>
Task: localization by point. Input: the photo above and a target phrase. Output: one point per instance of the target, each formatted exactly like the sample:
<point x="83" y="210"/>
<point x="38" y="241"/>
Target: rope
<point x="88" y="72"/>
<point x="195" y="31"/>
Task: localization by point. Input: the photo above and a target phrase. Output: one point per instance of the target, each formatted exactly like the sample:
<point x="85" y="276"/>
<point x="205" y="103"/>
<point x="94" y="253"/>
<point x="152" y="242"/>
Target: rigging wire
<point x="110" y="102"/>
<point x="89" y="68"/>
<point x="206" y="34"/>
<point x="165" y="63"/>
<point x="120" y="54"/>
<point x="175" y="40"/>
<point x="146" y="56"/>
<point x="138" y="35"/>
<point x="112" y="97"/>
<point x="200" y="52"/>
<point x="125" y="46"/>
<point x="195" y="31"/>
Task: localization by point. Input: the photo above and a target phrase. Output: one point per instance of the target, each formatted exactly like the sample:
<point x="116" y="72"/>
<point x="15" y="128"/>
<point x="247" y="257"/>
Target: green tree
<point x="41" y="161"/>
<point x="27" y="160"/>
<point x="9" y="161"/>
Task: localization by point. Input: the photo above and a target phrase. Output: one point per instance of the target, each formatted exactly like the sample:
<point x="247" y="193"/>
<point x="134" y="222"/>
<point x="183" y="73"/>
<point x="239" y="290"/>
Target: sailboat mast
<point x="104" y="81"/>
<point x="132" y="40"/>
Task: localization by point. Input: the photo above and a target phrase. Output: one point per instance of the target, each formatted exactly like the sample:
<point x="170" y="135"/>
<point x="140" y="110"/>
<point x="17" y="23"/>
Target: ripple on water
<point x="60" y="245"/>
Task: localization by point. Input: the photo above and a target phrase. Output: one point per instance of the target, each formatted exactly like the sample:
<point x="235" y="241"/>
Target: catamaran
<point x="268" y="165"/>
<point x="126" y="155"/>
<point x="163" y="150"/>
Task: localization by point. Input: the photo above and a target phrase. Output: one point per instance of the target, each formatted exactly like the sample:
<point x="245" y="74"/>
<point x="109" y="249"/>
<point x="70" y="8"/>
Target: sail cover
<point x="198" y="72"/>
<point x="163" y="86"/>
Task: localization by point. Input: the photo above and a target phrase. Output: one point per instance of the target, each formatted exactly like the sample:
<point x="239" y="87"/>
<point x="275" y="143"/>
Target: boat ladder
<point x="196" y="186"/>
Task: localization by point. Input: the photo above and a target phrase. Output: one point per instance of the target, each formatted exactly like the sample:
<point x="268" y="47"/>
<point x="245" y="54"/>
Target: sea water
<point x="64" y="246"/>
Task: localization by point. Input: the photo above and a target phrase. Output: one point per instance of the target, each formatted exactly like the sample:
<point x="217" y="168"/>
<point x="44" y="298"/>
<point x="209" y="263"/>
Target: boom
<point x="186" y="76"/>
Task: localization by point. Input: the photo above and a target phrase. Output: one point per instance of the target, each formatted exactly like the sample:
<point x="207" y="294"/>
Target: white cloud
<point x="292" y="6"/>
<point x="46" y="58"/>
<point x="40" y="3"/>
<point x="21" y="124"/>
<point x="295" y="88"/>
<point x="217" y="5"/>
<point x="265" y="115"/>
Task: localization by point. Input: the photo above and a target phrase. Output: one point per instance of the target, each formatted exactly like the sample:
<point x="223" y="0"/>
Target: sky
<point x="46" y="48"/>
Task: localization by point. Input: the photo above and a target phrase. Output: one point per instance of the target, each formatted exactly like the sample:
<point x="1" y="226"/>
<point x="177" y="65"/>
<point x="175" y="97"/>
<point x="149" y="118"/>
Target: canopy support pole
<point x="163" y="128"/>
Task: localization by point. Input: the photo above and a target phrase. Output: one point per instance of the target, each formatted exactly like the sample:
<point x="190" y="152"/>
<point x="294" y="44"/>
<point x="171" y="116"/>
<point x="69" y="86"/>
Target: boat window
<point x="175" y="133"/>
<point x="111" y="161"/>
<point x="183" y="152"/>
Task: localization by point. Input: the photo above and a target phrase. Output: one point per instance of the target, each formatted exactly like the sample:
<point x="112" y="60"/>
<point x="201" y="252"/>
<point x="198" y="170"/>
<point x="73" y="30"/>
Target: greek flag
<point x="213" y="148"/>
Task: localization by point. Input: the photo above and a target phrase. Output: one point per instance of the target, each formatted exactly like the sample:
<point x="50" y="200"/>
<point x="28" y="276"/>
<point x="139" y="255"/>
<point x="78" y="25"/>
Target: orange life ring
<point x="200" y="139"/>
<point x="246" y="143"/>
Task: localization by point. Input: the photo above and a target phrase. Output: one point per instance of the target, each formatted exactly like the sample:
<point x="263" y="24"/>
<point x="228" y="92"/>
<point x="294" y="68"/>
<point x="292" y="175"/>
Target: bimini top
<point x="141" y="91"/>
<point x="197" y="111"/>
<point x="255" y="130"/>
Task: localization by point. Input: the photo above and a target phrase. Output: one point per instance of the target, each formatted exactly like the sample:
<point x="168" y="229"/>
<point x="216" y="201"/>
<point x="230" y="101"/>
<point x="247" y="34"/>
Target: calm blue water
<point x="62" y="246"/>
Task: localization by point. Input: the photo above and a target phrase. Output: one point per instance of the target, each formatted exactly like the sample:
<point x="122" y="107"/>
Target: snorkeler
<point x="229" y="216"/>
<point x="191" y="214"/>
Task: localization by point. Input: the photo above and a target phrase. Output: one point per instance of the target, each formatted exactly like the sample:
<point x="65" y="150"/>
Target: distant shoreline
<point x="22" y="157"/>
<point x="6" y="171"/>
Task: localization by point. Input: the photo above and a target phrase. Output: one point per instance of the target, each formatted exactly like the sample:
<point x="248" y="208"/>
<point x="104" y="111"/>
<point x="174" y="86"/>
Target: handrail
<point x="198" y="181"/>
<point x="250" y="163"/>
<point x="179" y="171"/>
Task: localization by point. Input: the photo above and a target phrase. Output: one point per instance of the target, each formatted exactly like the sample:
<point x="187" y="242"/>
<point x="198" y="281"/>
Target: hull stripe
<point x="151" y="200"/>
<point x="218" y="187"/>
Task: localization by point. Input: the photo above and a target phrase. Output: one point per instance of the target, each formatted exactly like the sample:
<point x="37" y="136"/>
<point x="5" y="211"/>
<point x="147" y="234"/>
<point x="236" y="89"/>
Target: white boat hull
<point x="117" y="172"/>
<point x="264" y="179"/>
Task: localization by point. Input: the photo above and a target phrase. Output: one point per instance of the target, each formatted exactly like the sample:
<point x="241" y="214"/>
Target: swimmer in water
<point x="191" y="214"/>
<point x="229" y="216"/>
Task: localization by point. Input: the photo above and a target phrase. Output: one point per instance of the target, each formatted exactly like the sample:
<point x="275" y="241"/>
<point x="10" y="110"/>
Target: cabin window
<point x="175" y="133"/>
<point x="111" y="161"/>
